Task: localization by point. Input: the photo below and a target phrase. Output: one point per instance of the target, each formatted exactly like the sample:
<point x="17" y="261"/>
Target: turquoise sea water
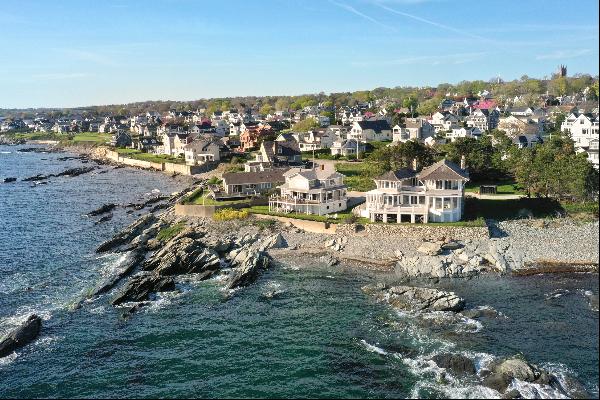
<point x="322" y="337"/>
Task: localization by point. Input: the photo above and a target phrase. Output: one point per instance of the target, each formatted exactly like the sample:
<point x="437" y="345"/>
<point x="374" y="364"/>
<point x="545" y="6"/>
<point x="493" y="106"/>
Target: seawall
<point x="167" y="167"/>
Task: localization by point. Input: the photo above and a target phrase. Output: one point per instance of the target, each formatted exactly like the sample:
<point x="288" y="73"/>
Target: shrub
<point x="170" y="232"/>
<point x="228" y="214"/>
<point x="214" y="181"/>
<point x="350" y="219"/>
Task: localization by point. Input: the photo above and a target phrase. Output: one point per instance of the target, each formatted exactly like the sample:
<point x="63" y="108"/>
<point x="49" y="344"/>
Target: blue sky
<point x="84" y="52"/>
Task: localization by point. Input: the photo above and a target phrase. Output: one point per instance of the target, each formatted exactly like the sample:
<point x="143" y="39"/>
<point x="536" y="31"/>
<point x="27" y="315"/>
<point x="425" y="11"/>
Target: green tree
<point x="305" y="125"/>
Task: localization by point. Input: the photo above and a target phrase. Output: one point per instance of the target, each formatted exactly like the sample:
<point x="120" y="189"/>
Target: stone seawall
<point x="308" y="226"/>
<point x="416" y="231"/>
<point x="167" y="167"/>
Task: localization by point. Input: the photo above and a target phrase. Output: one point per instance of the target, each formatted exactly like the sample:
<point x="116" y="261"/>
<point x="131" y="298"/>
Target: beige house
<point x="436" y="194"/>
<point x="200" y="152"/>
<point x="310" y="191"/>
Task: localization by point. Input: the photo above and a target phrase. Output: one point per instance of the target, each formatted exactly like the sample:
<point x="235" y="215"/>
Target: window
<point x="439" y="184"/>
<point x="438" y="203"/>
<point x="421" y="199"/>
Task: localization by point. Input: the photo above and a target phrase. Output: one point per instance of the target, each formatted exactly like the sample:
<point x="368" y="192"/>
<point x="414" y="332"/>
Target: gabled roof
<point x="377" y="126"/>
<point x="398" y="175"/>
<point x="443" y="170"/>
<point x="239" y="178"/>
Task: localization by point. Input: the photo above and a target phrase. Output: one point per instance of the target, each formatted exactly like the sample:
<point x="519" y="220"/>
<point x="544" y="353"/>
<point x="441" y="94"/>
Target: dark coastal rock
<point x="75" y="171"/>
<point x="128" y="234"/>
<point x="140" y="287"/>
<point x="503" y="372"/>
<point x="34" y="178"/>
<point x="481" y="312"/>
<point x="102" y="210"/>
<point x="33" y="150"/>
<point x="248" y="264"/>
<point x="104" y="219"/>
<point x="9" y="180"/>
<point x="457" y="363"/>
<point x="153" y="200"/>
<point x="416" y="299"/>
<point x="131" y="261"/>
<point x="21" y="336"/>
<point x="183" y="255"/>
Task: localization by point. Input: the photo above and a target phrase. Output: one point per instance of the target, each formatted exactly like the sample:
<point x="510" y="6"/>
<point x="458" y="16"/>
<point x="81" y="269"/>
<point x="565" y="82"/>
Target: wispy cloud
<point x="60" y="76"/>
<point x="353" y="10"/>
<point x="429" y="22"/>
<point x="458" y="58"/>
<point x="562" y="54"/>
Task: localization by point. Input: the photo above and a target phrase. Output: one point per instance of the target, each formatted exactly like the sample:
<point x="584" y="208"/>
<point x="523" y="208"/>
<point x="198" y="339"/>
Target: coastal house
<point x="316" y="191"/>
<point x="280" y="153"/>
<point x="436" y="194"/>
<point x="316" y="140"/>
<point x="370" y="131"/>
<point x="413" y="129"/>
<point x="200" y="152"/>
<point x="457" y="133"/>
<point x="252" y="183"/>
<point x="485" y="120"/>
<point x="347" y="147"/>
<point x="582" y="128"/>
<point x="444" y="121"/>
<point x="120" y="139"/>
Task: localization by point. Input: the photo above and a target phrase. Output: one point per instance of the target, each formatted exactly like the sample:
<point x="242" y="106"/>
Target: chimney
<point x="415" y="164"/>
<point x="463" y="162"/>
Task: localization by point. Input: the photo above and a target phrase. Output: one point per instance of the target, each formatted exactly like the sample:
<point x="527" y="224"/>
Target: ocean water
<point x="321" y="337"/>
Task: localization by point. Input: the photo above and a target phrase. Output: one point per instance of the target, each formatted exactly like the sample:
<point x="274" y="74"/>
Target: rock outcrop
<point x="456" y="363"/>
<point x="131" y="261"/>
<point x="21" y="336"/>
<point x="126" y="236"/>
<point x="140" y="286"/>
<point x="105" y="208"/>
<point x="412" y="298"/>
<point x="248" y="264"/>
<point x="9" y="180"/>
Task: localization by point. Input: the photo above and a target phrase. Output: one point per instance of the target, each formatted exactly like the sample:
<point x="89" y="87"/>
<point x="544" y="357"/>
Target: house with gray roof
<point x="252" y="183"/>
<point x="366" y="131"/>
<point x="317" y="191"/>
<point x="435" y="194"/>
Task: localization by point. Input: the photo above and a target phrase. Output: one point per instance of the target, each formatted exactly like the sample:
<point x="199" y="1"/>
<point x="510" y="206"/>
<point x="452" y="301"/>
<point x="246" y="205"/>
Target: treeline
<point x="422" y="100"/>
<point x="552" y="169"/>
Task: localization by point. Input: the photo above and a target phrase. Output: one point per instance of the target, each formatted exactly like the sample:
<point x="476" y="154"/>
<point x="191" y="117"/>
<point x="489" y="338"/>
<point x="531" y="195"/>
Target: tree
<point x="411" y="103"/>
<point x="400" y="155"/>
<point x="306" y="125"/>
<point x="266" y="109"/>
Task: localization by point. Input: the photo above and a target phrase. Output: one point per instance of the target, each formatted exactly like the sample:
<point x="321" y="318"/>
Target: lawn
<point x="308" y="217"/>
<point x="505" y="187"/>
<point x="198" y="197"/>
<point x="522" y="208"/>
<point x="358" y="176"/>
<point x="92" y="137"/>
<point x="156" y="158"/>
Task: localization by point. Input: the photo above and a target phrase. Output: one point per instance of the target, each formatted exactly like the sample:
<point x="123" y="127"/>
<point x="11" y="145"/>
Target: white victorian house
<point x="310" y="191"/>
<point x="436" y="194"/>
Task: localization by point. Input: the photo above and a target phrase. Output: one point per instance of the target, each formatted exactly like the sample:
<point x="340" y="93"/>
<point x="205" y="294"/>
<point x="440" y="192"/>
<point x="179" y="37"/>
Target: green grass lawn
<point x="92" y="137"/>
<point x="342" y="216"/>
<point x="200" y="197"/>
<point x="510" y="187"/>
<point x="156" y="158"/>
<point x="358" y="176"/>
<point x="519" y="208"/>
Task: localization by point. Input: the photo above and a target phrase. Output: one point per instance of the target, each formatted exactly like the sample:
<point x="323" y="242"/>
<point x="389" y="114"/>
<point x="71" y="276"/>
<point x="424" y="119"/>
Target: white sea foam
<point x="535" y="391"/>
<point x="373" y="348"/>
<point x="8" y="359"/>
<point x="5" y="152"/>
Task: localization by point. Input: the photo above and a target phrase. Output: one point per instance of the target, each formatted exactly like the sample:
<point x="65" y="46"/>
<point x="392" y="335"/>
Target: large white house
<point x="436" y="194"/>
<point x="414" y="129"/>
<point x="444" y="121"/>
<point x="581" y="127"/>
<point x="485" y="120"/>
<point x="457" y="133"/>
<point x="317" y="191"/>
<point x="366" y="131"/>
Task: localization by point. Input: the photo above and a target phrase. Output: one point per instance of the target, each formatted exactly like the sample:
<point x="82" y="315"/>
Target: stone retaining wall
<point x="416" y="231"/>
<point x="309" y="226"/>
<point x="172" y="168"/>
